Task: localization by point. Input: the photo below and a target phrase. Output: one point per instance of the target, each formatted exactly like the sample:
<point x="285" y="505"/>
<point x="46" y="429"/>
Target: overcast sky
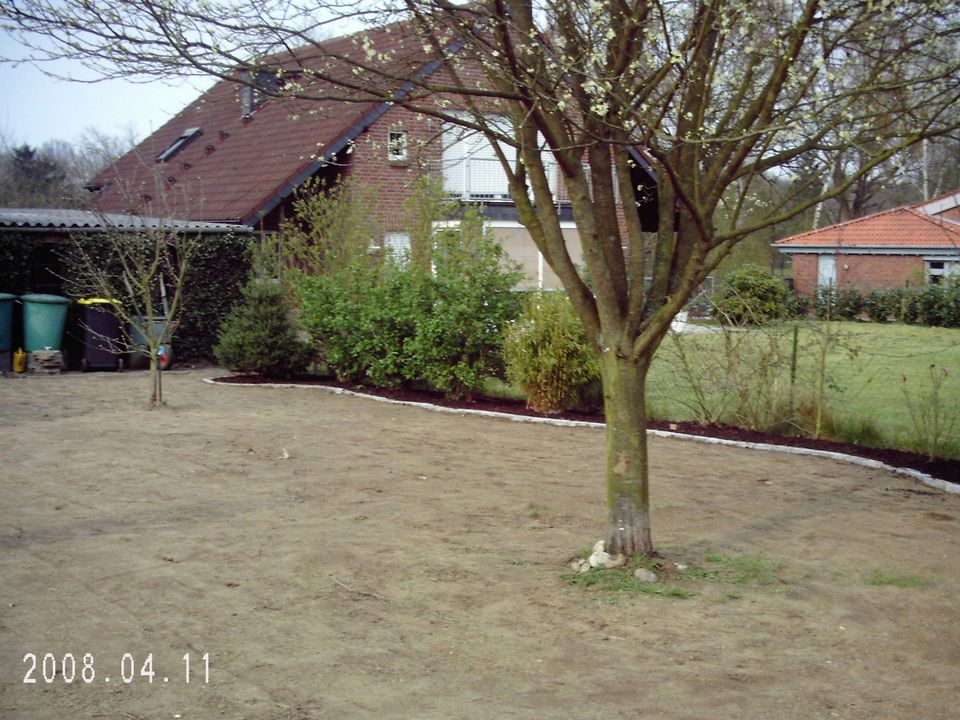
<point x="35" y="108"/>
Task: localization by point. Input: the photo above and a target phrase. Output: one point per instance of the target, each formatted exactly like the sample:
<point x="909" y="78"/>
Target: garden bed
<point x="946" y="469"/>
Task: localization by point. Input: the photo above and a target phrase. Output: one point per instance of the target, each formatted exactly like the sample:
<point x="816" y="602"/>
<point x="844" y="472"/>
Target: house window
<point x="397" y="246"/>
<point x="397" y="146"/>
<point x="179" y="144"/>
<point x="937" y="270"/>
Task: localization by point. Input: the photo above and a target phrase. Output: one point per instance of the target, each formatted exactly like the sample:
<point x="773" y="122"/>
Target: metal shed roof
<point x="47" y="219"/>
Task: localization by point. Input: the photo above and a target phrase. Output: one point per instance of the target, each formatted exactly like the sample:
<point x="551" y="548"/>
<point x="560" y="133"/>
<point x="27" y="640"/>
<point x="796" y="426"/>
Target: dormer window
<point x="179" y="144"/>
<point x="397" y="146"/>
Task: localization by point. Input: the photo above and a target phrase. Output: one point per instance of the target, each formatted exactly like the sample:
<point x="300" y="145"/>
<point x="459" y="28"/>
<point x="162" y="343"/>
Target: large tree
<point x="718" y="95"/>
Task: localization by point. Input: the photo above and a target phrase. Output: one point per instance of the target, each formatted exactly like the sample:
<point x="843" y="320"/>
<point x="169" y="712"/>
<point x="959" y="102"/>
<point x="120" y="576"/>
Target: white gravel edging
<point x="922" y="477"/>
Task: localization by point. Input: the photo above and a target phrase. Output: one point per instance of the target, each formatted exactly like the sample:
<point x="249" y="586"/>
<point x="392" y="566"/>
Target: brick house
<point x="237" y="156"/>
<point x="907" y="245"/>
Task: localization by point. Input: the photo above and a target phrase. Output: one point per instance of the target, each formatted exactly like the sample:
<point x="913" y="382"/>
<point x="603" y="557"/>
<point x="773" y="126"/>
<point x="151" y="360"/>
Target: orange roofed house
<point x="236" y="155"/>
<point x="907" y="245"/>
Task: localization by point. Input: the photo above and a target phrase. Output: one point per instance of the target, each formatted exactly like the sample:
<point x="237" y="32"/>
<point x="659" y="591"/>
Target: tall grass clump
<point x="933" y="406"/>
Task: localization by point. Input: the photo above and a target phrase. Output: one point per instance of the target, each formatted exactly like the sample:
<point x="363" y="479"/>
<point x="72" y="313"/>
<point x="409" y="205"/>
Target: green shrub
<point x="17" y="264"/>
<point x="908" y="310"/>
<point x="548" y="354"/>
<point x="797" y="306"/>
<point x="214" y="284"/>
<point x="218" y="268"/>
<point x="392" y="324"/>
<point x="751" y="295"/>
<point x="850" y="303"/>
<point x="825" y="303"/>
<point x="458" y="340"/>
<point x="881" y="305"/>
<point x="257" y="337"/>
<point x="833" y="304"/>
<point x="359" y="319"/>
<point x="939" y="305"/>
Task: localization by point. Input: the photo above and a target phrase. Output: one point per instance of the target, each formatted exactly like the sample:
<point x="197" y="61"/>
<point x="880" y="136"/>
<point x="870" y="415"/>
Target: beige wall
<point x="519" y="246"/>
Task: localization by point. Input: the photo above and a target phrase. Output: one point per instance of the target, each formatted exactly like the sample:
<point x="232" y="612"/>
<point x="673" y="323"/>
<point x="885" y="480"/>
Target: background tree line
<point x="54" y="174"/>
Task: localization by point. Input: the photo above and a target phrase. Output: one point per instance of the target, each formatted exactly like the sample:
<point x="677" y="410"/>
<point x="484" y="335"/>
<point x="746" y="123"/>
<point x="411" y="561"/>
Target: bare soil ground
<point x="342" y="558"/>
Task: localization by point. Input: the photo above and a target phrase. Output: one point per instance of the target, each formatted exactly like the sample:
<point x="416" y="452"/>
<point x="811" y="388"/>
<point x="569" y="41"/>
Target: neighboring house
<point x="237" y="156"/>
<point x="907" y="245"/>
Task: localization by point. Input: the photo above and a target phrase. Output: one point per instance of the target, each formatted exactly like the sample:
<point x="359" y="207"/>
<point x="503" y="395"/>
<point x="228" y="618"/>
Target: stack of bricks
<point x="46" y="362"/>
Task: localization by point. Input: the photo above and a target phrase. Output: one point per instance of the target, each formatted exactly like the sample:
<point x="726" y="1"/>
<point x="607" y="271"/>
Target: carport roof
<point x="47" y="219"/>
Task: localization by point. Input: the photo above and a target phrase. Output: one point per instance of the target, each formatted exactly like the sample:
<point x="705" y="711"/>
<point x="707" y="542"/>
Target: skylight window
<point x="179" y="144"/>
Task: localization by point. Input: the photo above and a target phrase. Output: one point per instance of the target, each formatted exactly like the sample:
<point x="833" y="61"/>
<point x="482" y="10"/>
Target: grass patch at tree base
<point x="681" y="576"/>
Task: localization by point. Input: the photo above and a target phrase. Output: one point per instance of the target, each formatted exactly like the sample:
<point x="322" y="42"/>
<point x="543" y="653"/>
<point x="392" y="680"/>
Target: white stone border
<point x="924" y="478"/>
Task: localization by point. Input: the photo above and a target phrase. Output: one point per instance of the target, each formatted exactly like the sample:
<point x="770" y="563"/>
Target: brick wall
<point x="862" y="271"/>
<point x="879" y="271"/>
<point x="804" y="274"/>
<point x="393" y="181"/>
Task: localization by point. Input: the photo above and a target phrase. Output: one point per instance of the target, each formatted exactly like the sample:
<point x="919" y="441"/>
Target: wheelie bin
<point x="43" y="320"/>
<point x="102" y="344"/>
<point x="6" y="330"/>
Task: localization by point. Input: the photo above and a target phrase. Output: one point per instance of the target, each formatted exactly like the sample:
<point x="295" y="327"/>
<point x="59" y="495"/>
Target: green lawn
<point x="743" y="378"/>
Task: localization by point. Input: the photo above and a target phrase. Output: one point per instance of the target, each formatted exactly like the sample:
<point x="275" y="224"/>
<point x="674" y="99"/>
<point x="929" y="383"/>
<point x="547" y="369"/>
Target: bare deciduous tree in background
<point x="721" y="94"/>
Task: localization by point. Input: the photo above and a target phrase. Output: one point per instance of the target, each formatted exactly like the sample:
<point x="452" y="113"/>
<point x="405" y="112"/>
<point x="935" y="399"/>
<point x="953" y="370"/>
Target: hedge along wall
<point x="29" y="262"/>
<point x="220" y="267"/>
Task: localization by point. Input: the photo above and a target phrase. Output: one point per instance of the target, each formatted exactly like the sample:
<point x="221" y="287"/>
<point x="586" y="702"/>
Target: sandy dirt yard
<point x="401" y="563"/>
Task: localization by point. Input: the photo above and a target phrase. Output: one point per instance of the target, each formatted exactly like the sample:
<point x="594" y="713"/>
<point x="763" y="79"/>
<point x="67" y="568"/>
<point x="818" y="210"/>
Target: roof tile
<point x="900" y="227"/>
<point x="238" y="165"/>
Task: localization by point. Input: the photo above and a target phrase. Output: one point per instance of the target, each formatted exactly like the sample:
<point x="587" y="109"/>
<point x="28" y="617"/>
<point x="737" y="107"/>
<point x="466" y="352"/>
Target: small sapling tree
<point x="142" y="271"/>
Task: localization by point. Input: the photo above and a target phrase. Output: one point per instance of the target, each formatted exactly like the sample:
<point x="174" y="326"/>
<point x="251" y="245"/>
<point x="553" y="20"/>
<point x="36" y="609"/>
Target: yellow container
<point x="19" y="360"/>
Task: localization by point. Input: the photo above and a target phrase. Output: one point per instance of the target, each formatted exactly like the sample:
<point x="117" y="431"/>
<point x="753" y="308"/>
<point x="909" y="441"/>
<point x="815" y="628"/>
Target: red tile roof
<point x="903" y="227"/>
<point x="239" y="168"/>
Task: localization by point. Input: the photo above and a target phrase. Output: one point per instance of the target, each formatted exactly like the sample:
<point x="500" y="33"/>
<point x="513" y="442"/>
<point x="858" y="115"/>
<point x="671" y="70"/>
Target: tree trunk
<point x="156" y="396"/>
<point x="628" y="497"/>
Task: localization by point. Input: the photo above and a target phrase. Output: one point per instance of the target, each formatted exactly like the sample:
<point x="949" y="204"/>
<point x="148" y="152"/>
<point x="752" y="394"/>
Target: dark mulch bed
<point x="944" y="469"/>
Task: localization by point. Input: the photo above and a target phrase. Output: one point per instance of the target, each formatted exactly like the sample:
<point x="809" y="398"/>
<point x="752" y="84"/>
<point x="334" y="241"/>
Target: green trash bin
<point x="6" y="321"/>
<point x="43" y="320"/>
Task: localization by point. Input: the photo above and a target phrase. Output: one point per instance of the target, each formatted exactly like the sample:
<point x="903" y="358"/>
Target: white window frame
<point x="397" y="145"/>
<point x="948" y="267"/>
<point x="396" y="246"/>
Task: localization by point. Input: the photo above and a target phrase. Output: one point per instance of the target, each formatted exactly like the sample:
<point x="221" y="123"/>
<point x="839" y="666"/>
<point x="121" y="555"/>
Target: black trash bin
<point x="100" y="335"/>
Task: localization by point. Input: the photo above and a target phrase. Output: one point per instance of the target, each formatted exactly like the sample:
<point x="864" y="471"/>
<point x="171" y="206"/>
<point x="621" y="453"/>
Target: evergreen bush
<point x="797" y="306"/>
<point x="257" y="336"/>
<point x="850" y="303"/>
<point x="458" y="340"/>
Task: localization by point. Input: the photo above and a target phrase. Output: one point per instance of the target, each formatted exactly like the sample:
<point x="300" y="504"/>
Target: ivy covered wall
<point x="31" y="262"/>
